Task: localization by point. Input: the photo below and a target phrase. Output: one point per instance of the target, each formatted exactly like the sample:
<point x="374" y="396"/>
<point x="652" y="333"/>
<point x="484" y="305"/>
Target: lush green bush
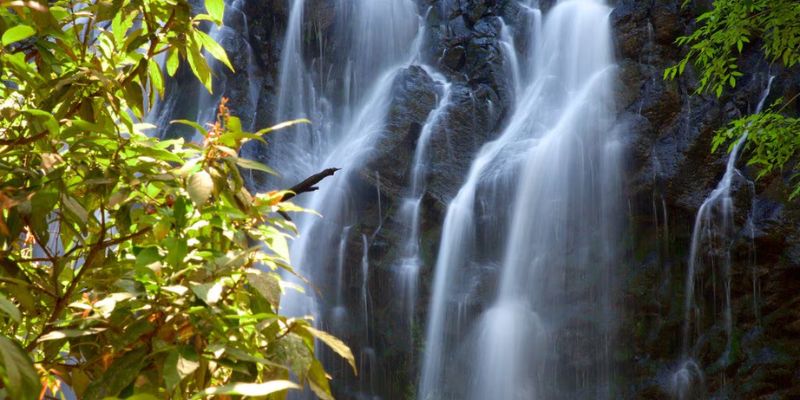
<point x="715" y="49"/>
<point x="133" y="267"/>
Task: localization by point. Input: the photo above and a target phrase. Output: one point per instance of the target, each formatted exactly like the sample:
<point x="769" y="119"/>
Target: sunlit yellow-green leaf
<point x="283" y="125"/>
<point x="335" y="344"/>
<point x="173" y="60"/>
<point x="215" y="8"/>
<point x="318" y="381"/>
<point x="157" y="80"/>
<point x="214" y="48"/>
<point x="248" y="389"/>
<point x="250" y="164"/>
<point x="199" y="66"/>
<point x="17" y="33"/>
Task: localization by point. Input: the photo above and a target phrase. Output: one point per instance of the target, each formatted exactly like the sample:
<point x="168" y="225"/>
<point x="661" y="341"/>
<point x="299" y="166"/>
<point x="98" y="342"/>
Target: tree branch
<point x="308" y="185"/>
<point x="304" y="187"/>
<point x="23" y="140"/>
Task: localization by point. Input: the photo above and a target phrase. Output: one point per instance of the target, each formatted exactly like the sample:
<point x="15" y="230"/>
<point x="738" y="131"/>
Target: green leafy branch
<point x="715" y="48"/>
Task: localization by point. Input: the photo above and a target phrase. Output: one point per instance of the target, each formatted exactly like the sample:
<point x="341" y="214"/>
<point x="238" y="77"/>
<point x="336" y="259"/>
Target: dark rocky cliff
<point x="670" y="171"/>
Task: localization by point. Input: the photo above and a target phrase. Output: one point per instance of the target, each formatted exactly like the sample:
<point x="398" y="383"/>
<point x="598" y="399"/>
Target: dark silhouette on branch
<point x="306" y="186"/>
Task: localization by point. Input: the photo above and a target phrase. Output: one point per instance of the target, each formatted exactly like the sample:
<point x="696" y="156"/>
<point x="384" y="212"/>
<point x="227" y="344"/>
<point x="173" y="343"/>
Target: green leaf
<point x="242" y="355"/>
<point x="214" y="48"/>
<point x="148" y="256"/>
<point x="120" y="26"/>
<point x="50" y="122"/>
<point x="17" y="33"/>
<point x="234" y="124"/>
<point x="250" y="164"/>
<point x="230" y="138"/>
<point x="199" y="66"/>
<point x="179" y="211"/>
<point x="267" y="285"/>
<point x="172" y="62"/>
<point x="335" y="344"/>
<point x="200" y="186"/>
<point x="142" y="396"/>
<point x="176" y="250"/>
<point x="278" y="243"/>
<point x="20" y="377"/>
<point x="9" y="308"/>
<point x="283" y="125"/>
<point x="122" y="372"/>
<point x="293" y="351"/>
<point x="69" y="333"/>
<point x="75" y="208"/>
<point x="209" y="293"/>
<point x="178" y="365"/>
<point x="158" y="154"/>
<point x="193" y="124"/>
<point x="249" y="389"/>
<point x="216" y="8"/>
<point x="156" y="79"/>
<point x="318" y="381"/>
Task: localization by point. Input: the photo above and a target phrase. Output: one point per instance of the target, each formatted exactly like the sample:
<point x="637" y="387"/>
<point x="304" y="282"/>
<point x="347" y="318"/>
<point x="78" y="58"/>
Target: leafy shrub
<point x="131" y="266"/>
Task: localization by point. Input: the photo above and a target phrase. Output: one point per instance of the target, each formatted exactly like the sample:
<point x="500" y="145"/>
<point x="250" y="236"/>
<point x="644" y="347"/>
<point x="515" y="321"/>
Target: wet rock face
<point x="266" y="23"/>
<point x="414" y="95"/>
<point x="671" y="172"/>
<point x="463" y="42"/>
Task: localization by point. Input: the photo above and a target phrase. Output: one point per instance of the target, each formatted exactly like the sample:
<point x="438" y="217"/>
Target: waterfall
<point x="713" y="227"/>
<point x="378" y="40"/>
<point x="546" y="329"/>
<point x="350" y="149"/>
<point x="376" y="36"/>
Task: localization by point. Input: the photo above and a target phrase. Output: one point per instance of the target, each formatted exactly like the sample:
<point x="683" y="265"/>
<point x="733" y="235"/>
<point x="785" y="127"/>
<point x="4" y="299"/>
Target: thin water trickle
<point x="713" y="231"/>
<point x="411" y="258"/>
<point x="365" y="281"/>
<point x="510" y="53"/>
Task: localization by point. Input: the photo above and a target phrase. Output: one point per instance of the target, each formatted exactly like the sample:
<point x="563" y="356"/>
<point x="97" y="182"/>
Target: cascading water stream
<point x="300" y="149"/>
<point x="376" y="37"/>
<point x="380" y="38"/>
<point x="713" y="227"/>
<point x="411" y="260"/>
<point x="507" y="42"/>
<point x="548" y="331"/>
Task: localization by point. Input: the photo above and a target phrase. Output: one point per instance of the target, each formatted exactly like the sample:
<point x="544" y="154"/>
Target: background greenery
<point x="715" y="48"/>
